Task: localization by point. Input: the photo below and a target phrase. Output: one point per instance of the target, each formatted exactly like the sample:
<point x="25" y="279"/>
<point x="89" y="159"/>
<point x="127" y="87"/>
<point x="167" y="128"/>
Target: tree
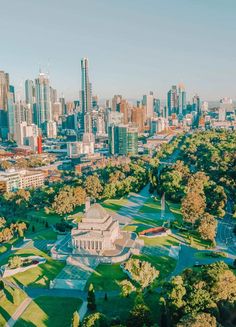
<point x="141" y="271"/>
<point x="93" y="187"/>
<point x="95" y="320"/>
<point x="215" y="199"/>
<point x="14" y="262"/>
<point x="127" y="288"/>
<point x="193" y="204"/>
<point x="199" y="320"/>
<point x="139" y="316"/>
<point x="79" y="196"/>
<point x="75" y="319"/>
<point x="64" y="201"/>
<point x="4" y="165"/>
<point x="91" y="298"/>
<point x="207" y="227"/>
<point x="2" y="222"/>
<point x="175" y="293"/>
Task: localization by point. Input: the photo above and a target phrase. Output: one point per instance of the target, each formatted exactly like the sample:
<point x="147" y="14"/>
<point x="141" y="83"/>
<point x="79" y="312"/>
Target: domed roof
<point x="96" y="211"/>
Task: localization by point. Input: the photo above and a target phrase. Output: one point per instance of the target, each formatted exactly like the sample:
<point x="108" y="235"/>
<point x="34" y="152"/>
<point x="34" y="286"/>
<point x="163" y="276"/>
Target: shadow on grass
<point x="50" y="311"/>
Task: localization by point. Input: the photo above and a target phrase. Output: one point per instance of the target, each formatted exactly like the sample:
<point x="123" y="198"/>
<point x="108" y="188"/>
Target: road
<point x="225" y="238"/>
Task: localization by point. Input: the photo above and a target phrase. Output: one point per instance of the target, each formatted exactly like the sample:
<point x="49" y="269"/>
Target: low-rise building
<point x="13" y="180"/>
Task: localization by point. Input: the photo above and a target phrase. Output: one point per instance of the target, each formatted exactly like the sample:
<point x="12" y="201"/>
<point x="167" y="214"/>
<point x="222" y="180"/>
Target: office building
<point x="12" y="180"/>
<point x="123" y="140"/>
<point x="43" y="99"/>
<point x="86" y="96"/>
<point x="148" y="103"/>
<point x="138" y="118"/>
<point x="172" y="100"/>
<point x="4" y="88"/>
<point x="181" y="100"/>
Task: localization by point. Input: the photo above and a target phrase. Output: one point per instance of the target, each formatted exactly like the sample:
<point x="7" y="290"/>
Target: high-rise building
<point x="172" y="100"/>
<point x="4" y="88"/>
<point x="123" y="140"/>
<point x="148" y="103"/>
<point x="196" y="106"/>
<point x="11" y="112"/>
<point x="86" y="96"/>
<point x="51" y="129"/>
<point x="115" y="102"/>
<point x="181" y="100"/>
<point x="138" y="118"/>
<point x="43" y="103"/>
<point x="123" y="107"/>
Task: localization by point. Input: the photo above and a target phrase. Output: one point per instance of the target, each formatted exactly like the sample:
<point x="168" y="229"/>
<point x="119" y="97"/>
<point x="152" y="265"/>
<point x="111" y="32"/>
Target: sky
<point x="133" y="46"/>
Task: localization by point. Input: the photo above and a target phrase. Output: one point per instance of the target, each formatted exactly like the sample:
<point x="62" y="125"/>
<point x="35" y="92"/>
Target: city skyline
<point x="195" y="50"/>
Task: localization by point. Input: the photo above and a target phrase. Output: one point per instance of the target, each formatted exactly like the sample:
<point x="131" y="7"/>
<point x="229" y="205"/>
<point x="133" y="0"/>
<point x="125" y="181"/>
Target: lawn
<point x="40" y="275"/>
<point x="7" y="246"/>
<point x="175" y="208"/>
<point x="196" y="242"/>
<point x="107" y="277"/>
<point x="46" y="234"/>
<point x="49" y="311"/>
<point x="169" y="240"/>
<point x="151" y="206"/>
<point x="7" y="307"/>
<point x="114" y="204"/>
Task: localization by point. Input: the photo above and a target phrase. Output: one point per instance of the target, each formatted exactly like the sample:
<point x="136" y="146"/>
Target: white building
<point x="148" y="101"/>
<point x="13" y="180"/>
<point x="96" y="233"/>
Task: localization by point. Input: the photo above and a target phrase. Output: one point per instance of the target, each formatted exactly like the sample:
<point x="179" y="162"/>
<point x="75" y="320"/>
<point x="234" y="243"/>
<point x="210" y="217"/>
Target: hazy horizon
<point x="133" y="46"/>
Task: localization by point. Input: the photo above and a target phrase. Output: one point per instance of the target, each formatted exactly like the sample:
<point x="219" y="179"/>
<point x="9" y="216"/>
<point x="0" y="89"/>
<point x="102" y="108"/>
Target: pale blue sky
<point x="133" y="45"/>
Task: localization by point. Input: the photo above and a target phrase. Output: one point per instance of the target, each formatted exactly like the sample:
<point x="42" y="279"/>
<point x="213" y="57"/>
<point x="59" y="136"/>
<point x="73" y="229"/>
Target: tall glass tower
<point x="43" y="103"/>
<point x="86" y="96"/>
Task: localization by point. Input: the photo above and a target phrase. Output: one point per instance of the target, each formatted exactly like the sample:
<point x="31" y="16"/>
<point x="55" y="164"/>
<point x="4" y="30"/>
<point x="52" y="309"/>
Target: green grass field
<point x="49" y="311"/>
<point x="151" y="206"/>
<point x="7" y="305"/>
<point x="114" y="204"/>
<point x="7" y="246"/>
<point x="107" y="277"/>
<point x="161" y="240"/>
<point x="40" y="275"/>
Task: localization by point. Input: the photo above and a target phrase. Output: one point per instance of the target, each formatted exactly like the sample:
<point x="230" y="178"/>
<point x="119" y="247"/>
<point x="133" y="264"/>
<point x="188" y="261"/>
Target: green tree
<point x="139" y="316"/>
<point x="93" y="187"/>
<point x="96" y="319"/>
<point x="141" y="271"/>
<point x="91" y="298"/>
<point x="207" y="227"/>
<point x="193" y="204"/>
<point x="199" y="320"/>
<point x="14" y="262"/>
<point x="127" y="288"/>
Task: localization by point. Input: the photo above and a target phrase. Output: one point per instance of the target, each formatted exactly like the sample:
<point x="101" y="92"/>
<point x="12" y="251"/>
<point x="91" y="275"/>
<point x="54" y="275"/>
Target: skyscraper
<point x="181" y="99"/>
<point x="43" y="103"/>
<point x="172" y="100"/>
<point x="11" y="112"/>
<point x="4" y="88"/>
<point x="148" y="102"/>
<point x="86" y="96"/>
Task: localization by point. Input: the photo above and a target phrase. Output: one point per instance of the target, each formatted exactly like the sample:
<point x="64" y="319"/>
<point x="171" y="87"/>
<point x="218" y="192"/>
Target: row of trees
<point x="199" y="298"/>
<point x="112" y="182"/>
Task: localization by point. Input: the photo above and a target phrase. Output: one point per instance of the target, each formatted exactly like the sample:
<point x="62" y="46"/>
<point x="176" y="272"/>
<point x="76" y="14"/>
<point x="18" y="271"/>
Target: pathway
<point x="19" y="311"/>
